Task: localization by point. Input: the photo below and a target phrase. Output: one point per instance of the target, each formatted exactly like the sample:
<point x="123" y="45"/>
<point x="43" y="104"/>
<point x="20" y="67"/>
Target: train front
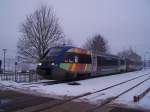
<point x="49" y="67"/>
<point x="50" y="64"/>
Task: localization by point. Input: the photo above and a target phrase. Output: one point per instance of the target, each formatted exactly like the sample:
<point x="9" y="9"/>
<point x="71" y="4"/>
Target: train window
<point x="77" y="58"/>
<point x="69" y="58"/>
<point x="108" y="61"/>
<point x="55" y="51"/>
<point x="99" y="61"/>
<point x="122" y="62"/>
<point x="114" y="62"/>
<point x="83" y="58"/>
<point x="104" y="61"/>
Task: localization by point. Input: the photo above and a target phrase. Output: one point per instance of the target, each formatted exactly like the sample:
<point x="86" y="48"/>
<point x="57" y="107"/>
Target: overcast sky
<point x="124" y="23"/>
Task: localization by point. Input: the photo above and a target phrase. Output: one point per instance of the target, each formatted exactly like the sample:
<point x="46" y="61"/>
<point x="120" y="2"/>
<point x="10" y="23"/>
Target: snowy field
<point x="64" y="90"/>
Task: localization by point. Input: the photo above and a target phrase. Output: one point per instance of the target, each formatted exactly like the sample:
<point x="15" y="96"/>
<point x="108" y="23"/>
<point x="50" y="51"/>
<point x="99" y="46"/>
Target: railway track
<point x="43" y="108"/>
<point x="109" y="100"/>
<point x="52" y="82"/>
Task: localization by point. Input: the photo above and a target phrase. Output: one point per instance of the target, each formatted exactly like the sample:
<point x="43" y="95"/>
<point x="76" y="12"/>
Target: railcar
<point x="132" y="65"/>
<point x="70" y="62"/>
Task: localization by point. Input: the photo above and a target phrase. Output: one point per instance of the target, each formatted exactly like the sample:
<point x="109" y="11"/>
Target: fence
<point x="21" y="77"/>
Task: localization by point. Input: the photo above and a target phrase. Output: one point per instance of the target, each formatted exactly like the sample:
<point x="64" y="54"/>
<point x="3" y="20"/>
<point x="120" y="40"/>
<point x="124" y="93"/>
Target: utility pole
<point x="4" y="50"/>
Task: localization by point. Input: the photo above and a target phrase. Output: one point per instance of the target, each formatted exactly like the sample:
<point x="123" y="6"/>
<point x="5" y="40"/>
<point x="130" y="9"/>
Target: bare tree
<point x="40" y="31"/>
<point x="130" y="54"/>
<point x="97" y="44"/>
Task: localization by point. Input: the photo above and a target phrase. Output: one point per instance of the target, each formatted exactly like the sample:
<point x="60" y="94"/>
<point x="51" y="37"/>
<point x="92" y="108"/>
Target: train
<point x="63" y="63"/>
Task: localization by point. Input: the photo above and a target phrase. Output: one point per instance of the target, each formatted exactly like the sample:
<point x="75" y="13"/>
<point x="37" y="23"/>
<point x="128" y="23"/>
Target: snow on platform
<point x="64" y="90"/>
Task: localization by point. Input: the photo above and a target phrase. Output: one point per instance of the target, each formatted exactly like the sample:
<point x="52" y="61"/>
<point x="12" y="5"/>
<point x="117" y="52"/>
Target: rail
<point x="107" y="101"/>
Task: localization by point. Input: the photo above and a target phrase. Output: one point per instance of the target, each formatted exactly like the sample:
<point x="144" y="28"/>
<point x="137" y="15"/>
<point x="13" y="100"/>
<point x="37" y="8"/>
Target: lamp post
<point x="4" y="50"/>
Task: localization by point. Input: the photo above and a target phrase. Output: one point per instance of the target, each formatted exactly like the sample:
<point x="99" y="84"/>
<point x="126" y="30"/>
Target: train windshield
<point x="55" y="51"/>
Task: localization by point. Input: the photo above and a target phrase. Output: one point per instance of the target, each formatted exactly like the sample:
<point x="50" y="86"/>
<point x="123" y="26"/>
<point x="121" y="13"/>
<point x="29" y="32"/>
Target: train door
<point x="94" y="64"/>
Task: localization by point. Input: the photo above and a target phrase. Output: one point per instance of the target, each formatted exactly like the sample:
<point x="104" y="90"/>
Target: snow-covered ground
<point x="64" y="90"/>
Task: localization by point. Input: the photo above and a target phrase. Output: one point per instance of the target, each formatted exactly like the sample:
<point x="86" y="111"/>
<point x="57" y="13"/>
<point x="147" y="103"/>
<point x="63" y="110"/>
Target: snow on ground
<point x="128" y="97"/>
<point x="89" y="85"/>
<point x="116" y="90"/>
<point x="145" y="102"/>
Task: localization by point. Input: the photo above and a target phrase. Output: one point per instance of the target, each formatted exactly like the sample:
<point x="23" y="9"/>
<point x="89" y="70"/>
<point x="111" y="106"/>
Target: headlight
<point x="52" y="63"/>
<point x="39" y="64"/>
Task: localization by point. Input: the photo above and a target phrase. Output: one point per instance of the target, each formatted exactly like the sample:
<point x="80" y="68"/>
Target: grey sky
<point x="124" y="23"/>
